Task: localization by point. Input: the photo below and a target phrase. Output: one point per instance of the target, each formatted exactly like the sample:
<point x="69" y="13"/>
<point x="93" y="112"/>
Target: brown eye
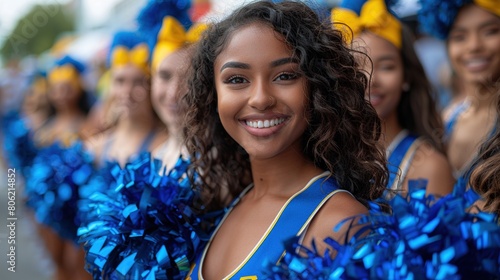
<point x="235" y="80"/>
<point x="286" y="76"/>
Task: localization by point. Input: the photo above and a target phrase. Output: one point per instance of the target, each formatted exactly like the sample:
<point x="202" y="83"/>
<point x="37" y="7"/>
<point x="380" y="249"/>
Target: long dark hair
<point x="485" y="177"/>
<point x="417" y="110"/>
<point x="343" y="131"/>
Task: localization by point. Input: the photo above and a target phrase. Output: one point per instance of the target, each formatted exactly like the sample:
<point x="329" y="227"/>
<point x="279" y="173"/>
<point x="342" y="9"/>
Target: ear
<point x="405" y="87"/>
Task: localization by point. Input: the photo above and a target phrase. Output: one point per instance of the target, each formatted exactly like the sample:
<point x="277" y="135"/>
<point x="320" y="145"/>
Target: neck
<point x="137" y="122"/>
<point x="390" y="129"/>
<point x="175" y="134"/>
<point x="68" y="113"/>
<point x="480" y="97"/>
<point x="128" y="124"/>
<point x="289" y="173"/>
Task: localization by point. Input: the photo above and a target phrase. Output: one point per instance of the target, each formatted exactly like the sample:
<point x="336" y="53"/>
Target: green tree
<point x="37" y="31"/>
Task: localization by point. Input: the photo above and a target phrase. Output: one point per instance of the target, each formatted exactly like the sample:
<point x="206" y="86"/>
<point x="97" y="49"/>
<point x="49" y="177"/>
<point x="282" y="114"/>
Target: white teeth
<point x="476" y="62"/>
<point x="265" y="123"/>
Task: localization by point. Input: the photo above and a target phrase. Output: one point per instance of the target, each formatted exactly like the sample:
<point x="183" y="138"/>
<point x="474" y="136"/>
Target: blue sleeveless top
<point x="292" y="220"/>
<point x="399" y="160"/>
<point x="463" y="175"/>
<point x="143" y="148"/>
<point x="449" y="125"/>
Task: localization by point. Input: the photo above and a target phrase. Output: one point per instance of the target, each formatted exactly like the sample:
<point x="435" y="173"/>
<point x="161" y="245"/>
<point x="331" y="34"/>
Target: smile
<point x="265" y="123"/>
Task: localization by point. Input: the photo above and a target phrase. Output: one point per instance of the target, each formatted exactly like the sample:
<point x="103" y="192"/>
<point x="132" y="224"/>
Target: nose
<point x="474" y="42"/>
<point x="261" y="97"/>
<point x="172" y="91"/>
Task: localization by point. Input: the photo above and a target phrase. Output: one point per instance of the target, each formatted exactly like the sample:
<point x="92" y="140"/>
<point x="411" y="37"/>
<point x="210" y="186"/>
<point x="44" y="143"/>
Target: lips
<point x="263" y="126"/>
<point x="476" y="64"/>
<point x="375" y="99"/>
<point x="265" y="123"/>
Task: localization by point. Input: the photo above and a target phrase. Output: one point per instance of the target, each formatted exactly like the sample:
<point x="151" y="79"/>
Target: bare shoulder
<point x="95" y="144"/>
<point x="432" y="165"/>
<point x="338" y="208"/>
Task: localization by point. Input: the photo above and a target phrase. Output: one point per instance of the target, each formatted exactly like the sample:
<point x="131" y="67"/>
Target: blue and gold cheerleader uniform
<point x="400" y="154"/>
<point x="292" y="220"/>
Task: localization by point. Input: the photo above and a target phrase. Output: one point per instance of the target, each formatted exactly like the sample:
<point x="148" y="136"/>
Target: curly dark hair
<point x="343" y="130"/>
<point x="485" y="177"/>
<point x="417" y="110"/>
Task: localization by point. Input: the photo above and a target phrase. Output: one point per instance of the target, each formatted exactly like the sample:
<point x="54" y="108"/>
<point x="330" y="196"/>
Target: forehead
<point x="128" y="70"/>
<point x="256" y="39"/>
<point x="176" y="60"/>
<point x="374" y="45"/>
<point x="472" y="16"/>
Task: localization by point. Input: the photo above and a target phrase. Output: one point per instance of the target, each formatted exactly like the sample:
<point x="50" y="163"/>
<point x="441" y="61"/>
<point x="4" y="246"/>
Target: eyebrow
<point x="234" y="64"/>
<point x="482" y="25"/>
<point x="241" y="65"/>
<point x="283" y="61"/>
<point x="387" y="57"/>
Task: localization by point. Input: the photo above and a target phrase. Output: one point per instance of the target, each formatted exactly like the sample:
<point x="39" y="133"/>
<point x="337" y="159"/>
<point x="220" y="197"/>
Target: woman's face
<point x="474" y="45"/>
<point x="130" y="90"/>
<point x="36" y="99"/>
<point x="64" y="95"/>
<point x="262" y="98"/>
<point x="169" y="85"/>
<point x="387" y="79"/>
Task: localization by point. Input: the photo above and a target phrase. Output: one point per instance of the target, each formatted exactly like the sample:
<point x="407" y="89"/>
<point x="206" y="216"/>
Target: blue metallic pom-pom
<point x="52" y="188"/>
<point x="18" y="145"/>
<point x="423" y="238"/>
<point x="145" y="227"/>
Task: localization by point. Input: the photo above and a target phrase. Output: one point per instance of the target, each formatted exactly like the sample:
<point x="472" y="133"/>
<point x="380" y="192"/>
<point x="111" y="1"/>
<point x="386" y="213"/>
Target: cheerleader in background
<point x="472" y="32"/>
<point x="174" y="34"/>
<point x="400" y="93"/>
<point x="138" y="128"/>
<point x="70" y="102"/>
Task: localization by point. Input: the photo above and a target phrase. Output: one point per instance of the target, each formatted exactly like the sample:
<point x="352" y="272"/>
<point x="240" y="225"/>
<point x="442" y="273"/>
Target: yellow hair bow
<point x="65" y="73"/>
<point x="374" y="17"/>
<point x="173" y="36"/>
<point x="490" y="5"/>
<point x="137" y="56"/>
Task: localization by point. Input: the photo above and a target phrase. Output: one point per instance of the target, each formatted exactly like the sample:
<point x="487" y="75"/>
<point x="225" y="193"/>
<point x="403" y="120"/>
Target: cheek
<point x="453" y="53"/>
<point x="156" y="93"/>
<point x="392" y="81"/>
<point x="227" y="108"/>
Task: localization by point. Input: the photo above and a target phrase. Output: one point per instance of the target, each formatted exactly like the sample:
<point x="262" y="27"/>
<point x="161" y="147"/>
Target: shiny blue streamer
<point x="18" y="145"/>
<point x="423" y="238"/>
<point x="52" y="188"/>
<point x="143" y="226"/>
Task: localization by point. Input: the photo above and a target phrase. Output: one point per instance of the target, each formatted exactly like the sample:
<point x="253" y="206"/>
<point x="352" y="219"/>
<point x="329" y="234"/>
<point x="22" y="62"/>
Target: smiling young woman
<point x="401" y="94"/>
<point x="472" y="33"/>
<point x="277" y="123"/>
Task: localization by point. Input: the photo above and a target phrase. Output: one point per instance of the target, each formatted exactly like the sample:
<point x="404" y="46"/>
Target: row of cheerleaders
<point x="140" y="221"/>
